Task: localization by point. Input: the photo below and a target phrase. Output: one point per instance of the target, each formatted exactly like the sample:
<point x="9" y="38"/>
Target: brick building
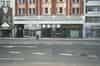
<point x="49" y="18"/>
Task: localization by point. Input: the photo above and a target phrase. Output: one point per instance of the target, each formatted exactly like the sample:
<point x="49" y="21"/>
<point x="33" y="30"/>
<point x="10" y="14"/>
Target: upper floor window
<point x="32" y="1"/>
<point x="45" y="11"/>
<point x="60" y="0"/>
<point x="21" y="1"/>
<point x="5" y="3"/>
<point x="75" y="1"/>
<point x="21" y="11"/>
<point x="45" y="1"/>
<point x="60" y="10"/>
<point x="75" y="11"/>
<point x="31" y="11"/>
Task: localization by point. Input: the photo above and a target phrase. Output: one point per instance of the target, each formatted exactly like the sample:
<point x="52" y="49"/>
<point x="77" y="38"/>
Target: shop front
<point x="5" y="33"/>
<point x="93" y="31"/>
<point x="6" y="30"/>
<point x="27" y="30"/>
<point x="19" y="30"/>
<point x="61" y="30"/>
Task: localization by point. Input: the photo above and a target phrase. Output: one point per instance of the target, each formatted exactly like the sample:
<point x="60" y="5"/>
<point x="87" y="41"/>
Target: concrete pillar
<point x="13" y="33"/>
<point x="38" y="33"/>
<point x="84" y="31"/>
<point x="54" y="30"/>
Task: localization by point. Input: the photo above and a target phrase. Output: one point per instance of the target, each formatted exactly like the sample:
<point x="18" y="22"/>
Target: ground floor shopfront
<point x="92" y="31"/>
<point x="5" y="33"/>
<point x="50" y="30"/>
<point x="62" y="31"/>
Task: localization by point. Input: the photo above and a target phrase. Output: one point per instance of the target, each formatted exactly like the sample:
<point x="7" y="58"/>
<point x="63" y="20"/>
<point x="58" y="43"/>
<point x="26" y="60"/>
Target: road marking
<point x="66" y="54"/>
<point x="19" y="46"/>
<point x="38" y="53"/>
<point x="92" y="56"/>
<point x="11" y="58"/>
<point x="9" y="46"/>
<point x="14" y="52"/>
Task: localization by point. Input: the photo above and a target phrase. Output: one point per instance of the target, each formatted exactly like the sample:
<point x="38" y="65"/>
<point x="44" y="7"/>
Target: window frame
<point x="75" y="11"/>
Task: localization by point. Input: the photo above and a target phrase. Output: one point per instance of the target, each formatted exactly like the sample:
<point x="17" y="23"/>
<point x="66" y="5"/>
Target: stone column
<point x="84" y="31"/>
<point x="53" y="30"/>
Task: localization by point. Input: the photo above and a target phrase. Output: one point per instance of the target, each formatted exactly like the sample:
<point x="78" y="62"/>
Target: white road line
<point x="92" y="56"/>
<point x="38" y="53"/>
<point x="11" y="58"/>
<point x="14" y="52"/>
<point x="66" y="54"/>
<point x="9" y="46"/>
<point x="19" y="46"/>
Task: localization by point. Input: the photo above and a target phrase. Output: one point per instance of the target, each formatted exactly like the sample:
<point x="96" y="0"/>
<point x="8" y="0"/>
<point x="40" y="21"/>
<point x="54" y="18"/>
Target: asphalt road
<point x="16" y="51"/>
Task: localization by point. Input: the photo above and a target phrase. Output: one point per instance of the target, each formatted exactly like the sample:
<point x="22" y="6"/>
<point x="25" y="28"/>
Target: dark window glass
<point x="60" y="10"/>
<point x="30" y="11"/>
<point x="32" y="1"/>
<point x="46" y="10"/>
<point x="33" y="10"/>
<point x="46" y="1"/>
<point x="75" y="1"/>
<point x="21" y="1"/>
<point x="19" y="11"/>
<point x="75" y="11"/>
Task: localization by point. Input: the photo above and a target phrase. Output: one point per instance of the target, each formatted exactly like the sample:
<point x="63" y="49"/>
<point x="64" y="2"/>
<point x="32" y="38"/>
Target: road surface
<point x="43" y="51"/>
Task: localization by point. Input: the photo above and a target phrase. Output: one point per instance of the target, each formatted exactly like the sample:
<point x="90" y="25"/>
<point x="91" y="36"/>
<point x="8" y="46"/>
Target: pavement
<point x="87" y="41"/>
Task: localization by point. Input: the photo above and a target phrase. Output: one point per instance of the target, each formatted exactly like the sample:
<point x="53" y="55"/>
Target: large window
<point x="75" y="11"/>
<point x="45" y="12"/>
<point x="45" y="1"/>
<point x="60" y="11"/>
<point x="6" y="3"/>
<point x="32" y="1"/>
<point x="75" y="1"/>
<point x="31" y="11"/>
<point x="21" y="1"/>
<point x="93" y="9"/>
<point x="60" y="0"/>
<point x="21" y="11"/>
<point x="93" y="19"/>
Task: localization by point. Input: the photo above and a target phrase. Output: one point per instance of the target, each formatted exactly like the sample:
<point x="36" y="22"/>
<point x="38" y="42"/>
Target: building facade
<point x="49" y="18"/>
<point x="57" y="18"/>
<point x="6" y="19"/>
<point x="92" y="18"/>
